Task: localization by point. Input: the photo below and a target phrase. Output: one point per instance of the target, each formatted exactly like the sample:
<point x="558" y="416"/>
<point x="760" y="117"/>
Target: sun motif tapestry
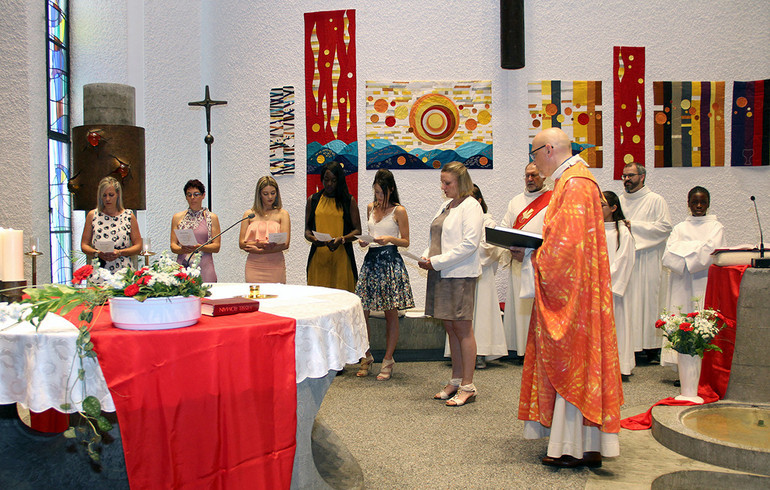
<point x="751" y="124"/>
<point x="628" y="123"/>
<point x="573" y="106"/>
<point x="282" y="130"/>
<point x="689" y="124"/>
<point x="426" y="124"/>
<point x="330" y="95"/>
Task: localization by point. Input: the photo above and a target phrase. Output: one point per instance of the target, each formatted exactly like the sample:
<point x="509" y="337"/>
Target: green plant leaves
<point x="92" y="407"/>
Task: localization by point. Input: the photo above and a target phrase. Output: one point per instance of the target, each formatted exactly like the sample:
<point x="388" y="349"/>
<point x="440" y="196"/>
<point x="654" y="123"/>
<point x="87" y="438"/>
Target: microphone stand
<point x="761" y="262"/>
<point x="187" y="260"/>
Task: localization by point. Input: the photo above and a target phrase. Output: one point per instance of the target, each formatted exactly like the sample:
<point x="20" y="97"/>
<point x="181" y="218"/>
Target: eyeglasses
<point x="194" y="194"/>
<point x="627" y="176"/>
<point x="532" y="153"/>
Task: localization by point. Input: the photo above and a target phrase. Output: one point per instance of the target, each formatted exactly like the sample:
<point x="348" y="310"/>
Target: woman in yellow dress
<point x="333" y="211"/>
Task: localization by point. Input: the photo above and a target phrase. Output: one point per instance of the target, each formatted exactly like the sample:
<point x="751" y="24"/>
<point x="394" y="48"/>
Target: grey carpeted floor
<point x="404" y="439"/>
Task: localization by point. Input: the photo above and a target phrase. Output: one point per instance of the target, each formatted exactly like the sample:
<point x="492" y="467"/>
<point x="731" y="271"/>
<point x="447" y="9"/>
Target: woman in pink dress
<point x="204" y="225"/>
<point x="265" y="262"/>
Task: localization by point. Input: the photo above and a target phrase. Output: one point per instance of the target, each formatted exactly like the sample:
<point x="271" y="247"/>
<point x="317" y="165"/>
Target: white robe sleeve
<point x="527" y="289"/>
<point x="655" y="226"/>
<point x="623" y="265"/>
<point x="673" y="257"/>
<point x="488" y="253"/>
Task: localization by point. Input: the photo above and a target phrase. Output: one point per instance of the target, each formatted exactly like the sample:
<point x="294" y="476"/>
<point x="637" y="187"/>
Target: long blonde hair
<point x="464" y="182"/>
<point x="261" y="184"/>
<point x="103" y="185"/>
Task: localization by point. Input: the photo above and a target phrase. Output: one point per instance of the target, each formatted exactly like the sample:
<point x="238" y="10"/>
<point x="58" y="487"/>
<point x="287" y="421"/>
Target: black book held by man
<point x="509" y="237"/>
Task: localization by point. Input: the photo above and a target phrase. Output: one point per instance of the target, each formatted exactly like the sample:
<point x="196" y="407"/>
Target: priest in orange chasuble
<point x="571" y="388"/>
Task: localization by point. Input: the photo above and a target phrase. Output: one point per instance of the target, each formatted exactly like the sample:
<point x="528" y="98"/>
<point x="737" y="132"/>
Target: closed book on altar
<point x="509" y="237"/>
<point x="228" y="306"/>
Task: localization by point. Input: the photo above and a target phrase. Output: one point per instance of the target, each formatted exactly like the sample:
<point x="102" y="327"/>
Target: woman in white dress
<point x="487" y="320"/>
<point x="688" y="257"/>
<point x="621" y="251"/>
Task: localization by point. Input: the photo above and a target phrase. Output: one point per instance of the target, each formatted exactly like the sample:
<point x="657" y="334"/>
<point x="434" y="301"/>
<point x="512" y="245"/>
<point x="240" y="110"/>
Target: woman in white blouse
<point x="453" y="264"/>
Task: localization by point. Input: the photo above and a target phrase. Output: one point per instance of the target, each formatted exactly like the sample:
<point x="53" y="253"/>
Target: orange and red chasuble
<point x="572" y="346"/>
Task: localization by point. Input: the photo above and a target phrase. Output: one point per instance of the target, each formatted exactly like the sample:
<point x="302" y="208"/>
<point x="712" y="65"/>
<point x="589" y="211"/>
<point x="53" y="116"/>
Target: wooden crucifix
<point x="208" y="139"/>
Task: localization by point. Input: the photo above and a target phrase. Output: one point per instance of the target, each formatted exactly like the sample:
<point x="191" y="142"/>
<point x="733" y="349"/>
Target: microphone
<point x="187" y="260"/>
<point x="761" y="262"/>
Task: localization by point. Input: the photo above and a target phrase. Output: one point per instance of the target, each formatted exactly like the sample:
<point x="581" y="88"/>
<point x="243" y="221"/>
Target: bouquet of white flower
<point x="691" y="333"/>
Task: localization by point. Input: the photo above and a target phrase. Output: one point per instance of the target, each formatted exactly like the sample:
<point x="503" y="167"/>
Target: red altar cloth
<point x="724" y="284"/>
<point x="212" y="405"/>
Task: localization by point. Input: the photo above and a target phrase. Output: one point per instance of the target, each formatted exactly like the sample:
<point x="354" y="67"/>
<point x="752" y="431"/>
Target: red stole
<point x="532" y="209"/>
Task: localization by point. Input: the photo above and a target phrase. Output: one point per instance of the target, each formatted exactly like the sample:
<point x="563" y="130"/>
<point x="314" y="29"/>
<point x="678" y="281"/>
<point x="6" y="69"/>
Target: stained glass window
<point x="60" y="208"/>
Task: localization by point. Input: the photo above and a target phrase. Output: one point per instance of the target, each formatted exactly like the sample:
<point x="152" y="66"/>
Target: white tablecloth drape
<point x="37" y="367"/>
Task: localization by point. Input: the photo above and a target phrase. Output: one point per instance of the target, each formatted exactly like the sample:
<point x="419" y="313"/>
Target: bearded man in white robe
<point x="526" y="212"/>
<point x="650" y="222"/>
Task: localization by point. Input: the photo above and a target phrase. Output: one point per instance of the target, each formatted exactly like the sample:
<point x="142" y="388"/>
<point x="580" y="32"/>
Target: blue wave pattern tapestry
<point x="426" y="124"/>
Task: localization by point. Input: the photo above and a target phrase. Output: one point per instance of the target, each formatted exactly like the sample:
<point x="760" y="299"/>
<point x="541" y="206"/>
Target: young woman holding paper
<point x="266" y="235"/>
<point x="383" y="283"/>
<point x="332" y="211"/>
<point x="203" y="224"/>
<point x="111" y="226"/>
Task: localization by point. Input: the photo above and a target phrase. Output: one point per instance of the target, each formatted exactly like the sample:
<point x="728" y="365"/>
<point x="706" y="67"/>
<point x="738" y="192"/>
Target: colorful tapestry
<point x="628" y="85"/>
<point x="418" y="125"/>
<point x="282" y="130"/>
<point x="573" y="106"/>
<point x="330" y="95"/>
<point x="689" y="124"/>
<point x="751" y="124"/>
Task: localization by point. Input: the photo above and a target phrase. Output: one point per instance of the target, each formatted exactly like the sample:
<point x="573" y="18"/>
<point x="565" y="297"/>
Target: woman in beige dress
<point x="265" y="263"/>
<point x="453" y="263"/>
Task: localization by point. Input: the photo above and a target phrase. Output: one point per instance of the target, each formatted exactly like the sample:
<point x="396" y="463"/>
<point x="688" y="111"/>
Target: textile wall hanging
<point x="689" y="124"/>
<point x="282" y="130"/>
<point x="628" y="125"/>
<point x="330" y="95"/>
<point x="573" y="106"/>
<point x="751" y="124"/>
<point x="418" y="125"/>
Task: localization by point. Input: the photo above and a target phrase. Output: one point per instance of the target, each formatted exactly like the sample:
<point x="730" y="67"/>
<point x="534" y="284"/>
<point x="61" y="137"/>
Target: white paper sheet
<point x="323" y="237"/>
<point x="366" y="238"/>
<point x="105" y="245"/>
<point x="186" y="237"/>
<point x="278" y="238"/>
<point x="410" y="255"/>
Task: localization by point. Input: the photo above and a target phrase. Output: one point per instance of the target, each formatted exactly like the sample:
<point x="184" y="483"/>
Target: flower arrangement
<point x="691" y="333"/>
<point x="91" y="289"/>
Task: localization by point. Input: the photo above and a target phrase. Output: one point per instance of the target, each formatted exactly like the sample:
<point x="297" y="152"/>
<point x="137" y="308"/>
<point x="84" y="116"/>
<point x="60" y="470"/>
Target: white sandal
<point x="443" y="394"/>
<point x="457" y="401"/>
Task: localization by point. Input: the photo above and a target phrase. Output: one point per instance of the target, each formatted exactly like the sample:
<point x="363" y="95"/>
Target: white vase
<point x="155" y="313"/>
<point x="689" y="375"/>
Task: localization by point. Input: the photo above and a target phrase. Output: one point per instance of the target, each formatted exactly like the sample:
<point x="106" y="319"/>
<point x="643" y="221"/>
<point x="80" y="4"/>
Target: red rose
<point x="131" y="290"/>
<point x="144" y="280"/>
<point x="692" y="315"/>
<point x="181" y="275"/>
<point x="685" y="327"/>
<point x="140" y="271"/>
<point x="81" y="274"/>
<point x="659" y="323"/>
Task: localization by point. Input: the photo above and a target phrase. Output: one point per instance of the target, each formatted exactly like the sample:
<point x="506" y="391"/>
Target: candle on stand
<point x="12" y="250"/>
<point x="145" y="245"/>
<point x="34" y="244"/>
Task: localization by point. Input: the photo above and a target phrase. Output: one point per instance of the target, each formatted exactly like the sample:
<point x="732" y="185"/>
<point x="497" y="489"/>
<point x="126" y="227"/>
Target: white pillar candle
<point x="13" y="255"/>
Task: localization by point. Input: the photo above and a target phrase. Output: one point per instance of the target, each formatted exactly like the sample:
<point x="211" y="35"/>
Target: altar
<point x="330" y="331"/>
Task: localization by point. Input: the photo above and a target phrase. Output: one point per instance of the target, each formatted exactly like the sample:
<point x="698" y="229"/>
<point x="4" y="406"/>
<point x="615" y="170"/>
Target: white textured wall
<point x="242" y="49"/>
<point x="23" y="144"/>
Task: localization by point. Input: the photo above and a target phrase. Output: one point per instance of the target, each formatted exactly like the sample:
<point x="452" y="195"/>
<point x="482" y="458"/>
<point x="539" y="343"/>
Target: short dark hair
<point x="698" y="188"/>
<point x="195" y="184"/>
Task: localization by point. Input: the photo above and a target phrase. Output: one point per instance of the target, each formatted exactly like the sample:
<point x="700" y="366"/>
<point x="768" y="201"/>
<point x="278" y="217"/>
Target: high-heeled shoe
<point x="386" y="371"/>
<point x="460" y="398"/>
<point x="366" y="364"/>
<point x="446" y="395"/>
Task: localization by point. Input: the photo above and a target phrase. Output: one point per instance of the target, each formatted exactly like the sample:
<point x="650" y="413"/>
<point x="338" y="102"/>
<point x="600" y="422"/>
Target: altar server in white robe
<point x="650" y="222"/>
<point x="621" y="251"/>
<point x="688" y="257"/>
<point x="526" y="212"/>
<point x="487" y="320"/>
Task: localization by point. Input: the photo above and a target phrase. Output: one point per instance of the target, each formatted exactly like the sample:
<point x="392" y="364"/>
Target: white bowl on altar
<point x="155" y="313"/>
